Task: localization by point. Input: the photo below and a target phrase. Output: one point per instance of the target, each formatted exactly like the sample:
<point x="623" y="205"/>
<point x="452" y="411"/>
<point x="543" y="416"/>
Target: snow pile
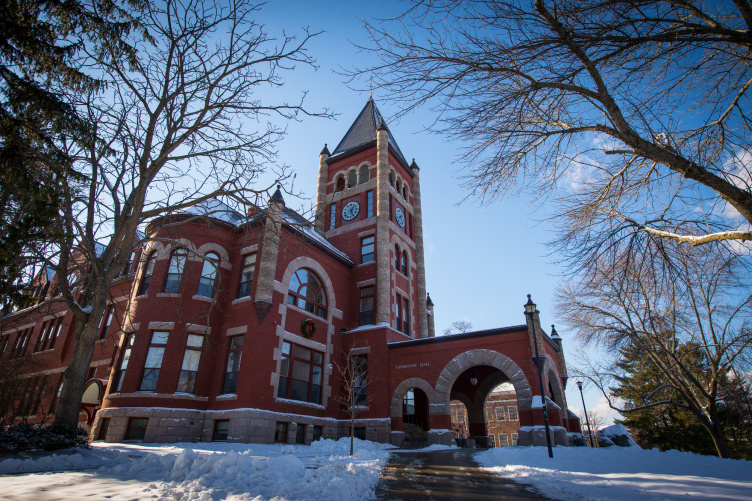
<point x="206" y="471"/>
<point x="616" y="434"/>
<point x="616" y="473"/>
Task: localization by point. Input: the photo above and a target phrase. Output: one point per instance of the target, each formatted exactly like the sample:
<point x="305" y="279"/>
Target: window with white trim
<point x="191" y="359"/>
<point x="246" y="275"/>
<point x="154" y="361"/>
<point x="175" y="271"/>
<point x="208" y="275"/>
<point x="301" y="373"/>
<point x="234" y="353"/>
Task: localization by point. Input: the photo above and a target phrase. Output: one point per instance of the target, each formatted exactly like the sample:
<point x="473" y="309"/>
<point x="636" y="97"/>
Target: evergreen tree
<point x="670" y="425"/>
<point x="39" y="75"/>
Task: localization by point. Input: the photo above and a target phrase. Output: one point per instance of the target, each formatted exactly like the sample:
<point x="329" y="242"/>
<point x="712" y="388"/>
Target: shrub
<point x="26" y="437"/>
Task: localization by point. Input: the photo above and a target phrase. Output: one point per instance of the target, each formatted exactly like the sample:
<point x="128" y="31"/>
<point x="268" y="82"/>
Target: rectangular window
<point x="300" y="434"/>
<point x="52" y="339"/>
<point x="360" y="383"/>
<point x="332" y="216"/>
<point x="46" y="328"/>
<point x="126" y="355"/>
<point x="401" y="310"/>
<point x="105" y="322"/>
<point x="316" y="433"/>
<point x="154" y="361"/>
<point x="405" y="316"/>
<point x="360" y="432"/>
<point x="280" y="433"/>
<point x="366" y="305"/>
<point x="513" y="413"/>
<point x="369" y="204"/>
<point x="103" y="427"/>
<point x="246" y="275"/>
<point x="22" y="339"/>
<point x="136" y="429"/>
<point x="367" y="249"/>
<point x="301" y="373"/>
<point x="514" y="439"/>
<point x="493" y="440"/>
<point x="500" y="413"/>
<point x="187" y="381"/>
<point x="234" y="352"/>
<point x="221" y="430"/>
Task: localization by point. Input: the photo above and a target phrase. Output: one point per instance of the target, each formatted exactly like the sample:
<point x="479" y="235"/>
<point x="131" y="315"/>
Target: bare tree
<point x="185" y="121"/>
<point x="691" y="322"/>
<point x="460" y="326"/>
<point x="634" y="116"/>
<point x="354" y="381"/>
<point x="596" y="423"/>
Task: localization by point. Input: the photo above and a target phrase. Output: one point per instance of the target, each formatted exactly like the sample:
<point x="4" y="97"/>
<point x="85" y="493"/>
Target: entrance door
<point x="415" y="418"/>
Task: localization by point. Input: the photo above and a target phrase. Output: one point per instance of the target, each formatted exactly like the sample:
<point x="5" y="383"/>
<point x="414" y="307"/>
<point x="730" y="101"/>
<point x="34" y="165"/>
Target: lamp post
<point x="587" y="420"/>
<point x="530" y="311"/>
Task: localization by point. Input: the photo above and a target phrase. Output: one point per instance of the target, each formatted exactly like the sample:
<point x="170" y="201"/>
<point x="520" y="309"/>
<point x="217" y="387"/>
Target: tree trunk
<point x="74" y="377"/>
<point x="352" y="432"/>
<point x="718" y="439"/>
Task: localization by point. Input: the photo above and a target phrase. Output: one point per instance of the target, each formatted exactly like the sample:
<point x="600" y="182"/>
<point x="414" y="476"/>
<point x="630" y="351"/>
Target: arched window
<point x="391" y="178"/>
<point x="404" y="192"/>
<point x="397" y="254"/>
<point x="208" y="275"/>
<point x="404" y="263"/>
<point x="399" y="185"/>
<point x="352" y="178"/>
<point x="175" y="271"/>
<point x="307" y="292"/>
<point x="148" y="272"/>
<point x="365" y="174"/>
<point x="339" y="184"/>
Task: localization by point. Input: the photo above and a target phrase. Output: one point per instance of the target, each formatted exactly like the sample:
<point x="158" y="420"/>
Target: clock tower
<point x="368" y="205"/>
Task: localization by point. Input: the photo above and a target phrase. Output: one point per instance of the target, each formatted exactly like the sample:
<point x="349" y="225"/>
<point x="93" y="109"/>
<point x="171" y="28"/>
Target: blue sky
<point x="481" y="262"/>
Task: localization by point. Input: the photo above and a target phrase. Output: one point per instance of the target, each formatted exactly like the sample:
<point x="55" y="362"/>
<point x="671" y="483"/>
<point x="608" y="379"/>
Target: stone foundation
<point x="536" y="435"/>
<point x="246" y="425"/>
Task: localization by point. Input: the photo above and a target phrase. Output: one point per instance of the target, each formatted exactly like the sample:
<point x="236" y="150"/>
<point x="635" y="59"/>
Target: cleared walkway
<point x="444" y="475"/>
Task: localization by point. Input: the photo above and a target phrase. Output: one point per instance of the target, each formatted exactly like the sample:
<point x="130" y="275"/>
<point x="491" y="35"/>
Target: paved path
<point x="444" y="475"/>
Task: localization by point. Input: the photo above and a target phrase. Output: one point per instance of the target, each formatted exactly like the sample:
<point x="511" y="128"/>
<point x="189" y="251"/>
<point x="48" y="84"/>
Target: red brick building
<point x="502" y="417"/>
<point x="231" y="326"/>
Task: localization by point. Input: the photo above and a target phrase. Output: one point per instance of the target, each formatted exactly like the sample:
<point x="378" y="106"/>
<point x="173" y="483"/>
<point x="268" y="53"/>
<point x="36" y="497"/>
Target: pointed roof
<point x="277" y="196"/>
<point x="363" y="132"/>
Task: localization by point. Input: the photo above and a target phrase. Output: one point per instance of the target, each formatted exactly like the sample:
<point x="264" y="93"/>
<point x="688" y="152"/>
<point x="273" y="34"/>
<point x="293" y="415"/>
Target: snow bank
<point x="616" y="473"/>
<point x="208" y="471"/>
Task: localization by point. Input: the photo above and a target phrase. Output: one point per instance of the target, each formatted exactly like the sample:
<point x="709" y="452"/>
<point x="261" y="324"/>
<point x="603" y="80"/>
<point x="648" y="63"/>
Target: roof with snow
<point x="215" y="209"/>
<point x="363" y="132"/>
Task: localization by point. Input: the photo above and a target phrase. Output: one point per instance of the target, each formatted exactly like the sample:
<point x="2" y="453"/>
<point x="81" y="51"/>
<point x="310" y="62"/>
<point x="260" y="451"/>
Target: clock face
<point x="400" y="216"/>
<point x="350" y="210"/>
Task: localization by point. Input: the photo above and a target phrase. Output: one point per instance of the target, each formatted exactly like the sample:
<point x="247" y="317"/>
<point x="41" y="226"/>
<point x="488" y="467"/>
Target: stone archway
<point x="395" y="410"/>
<point x="472" y="358"/>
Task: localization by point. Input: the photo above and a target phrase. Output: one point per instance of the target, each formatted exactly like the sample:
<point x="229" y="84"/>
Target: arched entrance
<point x="471" y="377"/>
<point x="415" y="416"/>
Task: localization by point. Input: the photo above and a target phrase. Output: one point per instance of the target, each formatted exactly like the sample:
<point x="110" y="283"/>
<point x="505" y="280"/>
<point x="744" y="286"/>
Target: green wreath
<point x="308" y="328"/>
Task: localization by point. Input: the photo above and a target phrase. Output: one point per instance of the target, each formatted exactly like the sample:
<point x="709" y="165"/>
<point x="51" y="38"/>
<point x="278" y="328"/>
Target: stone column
<point x="320" y="220"/>
<point x="383" y="263"/>
<point x="429" y="314"/>
<point x="419" y="256"/>
<point x="267" y="267"/>
<point x="541" y="347"/>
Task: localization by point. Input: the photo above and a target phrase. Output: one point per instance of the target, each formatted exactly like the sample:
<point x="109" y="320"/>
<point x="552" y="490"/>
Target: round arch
<point x="395" y="410"/>
<point x="472" y="358"/>
<point x="312" y="264"/>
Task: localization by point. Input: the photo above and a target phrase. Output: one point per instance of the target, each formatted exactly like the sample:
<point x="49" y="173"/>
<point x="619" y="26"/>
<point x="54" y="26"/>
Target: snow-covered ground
<point x="324" y="470"/>
<point x="623" y="473"/>
<point x="205" y="471"/>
